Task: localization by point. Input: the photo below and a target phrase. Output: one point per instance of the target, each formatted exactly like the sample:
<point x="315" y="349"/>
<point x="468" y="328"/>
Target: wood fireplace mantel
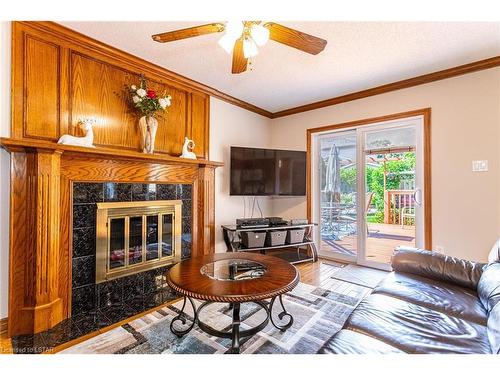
<point x="16" y="145"/>
<point x="42" y="176"/>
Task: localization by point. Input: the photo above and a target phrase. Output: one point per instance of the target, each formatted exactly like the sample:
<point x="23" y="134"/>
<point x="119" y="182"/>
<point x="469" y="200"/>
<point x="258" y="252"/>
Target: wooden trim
<point x="426" y="114"/>
<point x="4" y="326"/>
<point x="367" y="121"/>
<point x="93" y="44"/>
<point x="406" y="83"/>
<point x="427" y="179"/>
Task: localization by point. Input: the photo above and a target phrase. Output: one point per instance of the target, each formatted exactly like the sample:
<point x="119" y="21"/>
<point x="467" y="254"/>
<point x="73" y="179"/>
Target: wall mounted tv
<point x="258" y="171"/>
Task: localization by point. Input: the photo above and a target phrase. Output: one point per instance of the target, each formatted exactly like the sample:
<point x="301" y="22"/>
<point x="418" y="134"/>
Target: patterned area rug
<point x="318" y="314"/>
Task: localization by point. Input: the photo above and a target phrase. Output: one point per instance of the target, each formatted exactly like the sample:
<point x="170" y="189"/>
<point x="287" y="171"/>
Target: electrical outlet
<point x="479" y="165"/>
<point x="439" y="249"/>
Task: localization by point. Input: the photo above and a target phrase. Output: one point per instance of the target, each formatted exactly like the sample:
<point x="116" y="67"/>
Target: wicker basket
<point x="295" y="236"/>
<point x="253" y="239"/>
<point x="276" y="238"/>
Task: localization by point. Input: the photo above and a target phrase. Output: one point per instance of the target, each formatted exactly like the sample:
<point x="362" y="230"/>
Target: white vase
<point x="147" y="129"/>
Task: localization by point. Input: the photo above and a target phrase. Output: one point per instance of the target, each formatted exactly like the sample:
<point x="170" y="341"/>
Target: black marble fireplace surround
<point x="95" y="306"/>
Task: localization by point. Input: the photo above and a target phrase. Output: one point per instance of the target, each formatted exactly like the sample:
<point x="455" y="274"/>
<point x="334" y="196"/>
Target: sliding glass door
<point x="367" y="185"/>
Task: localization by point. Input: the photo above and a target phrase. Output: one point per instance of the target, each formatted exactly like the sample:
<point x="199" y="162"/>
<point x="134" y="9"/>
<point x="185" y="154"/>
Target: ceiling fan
<point x="243" y="38"/>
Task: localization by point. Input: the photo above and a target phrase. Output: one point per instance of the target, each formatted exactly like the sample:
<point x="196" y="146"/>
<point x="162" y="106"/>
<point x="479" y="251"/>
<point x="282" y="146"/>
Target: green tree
<point x="348" y="179"/>
<point x="374" y="175"/>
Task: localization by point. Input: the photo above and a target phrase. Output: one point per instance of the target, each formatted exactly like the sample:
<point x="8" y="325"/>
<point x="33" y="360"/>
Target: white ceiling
<point x="359" y="55"/>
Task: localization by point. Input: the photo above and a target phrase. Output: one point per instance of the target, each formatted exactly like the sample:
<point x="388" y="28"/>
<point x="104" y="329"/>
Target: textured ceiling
<point x="359" y="55"/>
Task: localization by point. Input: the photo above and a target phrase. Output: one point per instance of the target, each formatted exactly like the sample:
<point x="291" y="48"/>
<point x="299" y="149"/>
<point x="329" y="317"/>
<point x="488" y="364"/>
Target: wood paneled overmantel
<point x="42" y="176"/>
<point x="60" y="76"/>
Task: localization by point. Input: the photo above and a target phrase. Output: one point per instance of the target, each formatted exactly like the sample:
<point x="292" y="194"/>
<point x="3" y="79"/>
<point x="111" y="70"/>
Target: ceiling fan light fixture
<point x="259" y="34"/>
<point x="234" y="29"/>
<point x="249" y="48"/>
<point x="227" y="43"/>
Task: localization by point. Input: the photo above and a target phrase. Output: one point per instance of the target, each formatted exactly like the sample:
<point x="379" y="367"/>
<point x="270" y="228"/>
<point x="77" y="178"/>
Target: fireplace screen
<point x="136" y="236"/>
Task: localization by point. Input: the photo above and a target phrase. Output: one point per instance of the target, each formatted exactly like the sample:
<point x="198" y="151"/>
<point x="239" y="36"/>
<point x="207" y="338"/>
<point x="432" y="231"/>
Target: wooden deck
<point x="380" y="243"/>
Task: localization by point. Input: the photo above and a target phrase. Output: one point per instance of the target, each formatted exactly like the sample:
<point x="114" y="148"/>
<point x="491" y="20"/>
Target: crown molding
<point x="398" y="85"/>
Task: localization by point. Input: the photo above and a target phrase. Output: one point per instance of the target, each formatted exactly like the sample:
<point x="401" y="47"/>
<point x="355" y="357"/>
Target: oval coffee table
<point x="233" y="278"/>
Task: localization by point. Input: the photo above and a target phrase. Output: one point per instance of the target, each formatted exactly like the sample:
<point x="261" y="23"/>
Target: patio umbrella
<point x="333" y="175"/>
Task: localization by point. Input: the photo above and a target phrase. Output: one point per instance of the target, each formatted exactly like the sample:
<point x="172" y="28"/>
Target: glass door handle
<point x="417" y="196"/>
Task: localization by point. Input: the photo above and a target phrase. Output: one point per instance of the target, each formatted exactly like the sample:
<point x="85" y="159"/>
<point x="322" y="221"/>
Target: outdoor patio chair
<point x="368" y="202"/>
<point x="406" y="212"/>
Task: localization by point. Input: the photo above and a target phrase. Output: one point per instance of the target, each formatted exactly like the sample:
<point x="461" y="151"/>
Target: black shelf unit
<point x="304" y="251"/>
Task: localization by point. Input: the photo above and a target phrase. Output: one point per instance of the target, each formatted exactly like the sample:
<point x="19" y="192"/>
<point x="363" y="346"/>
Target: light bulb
<point x="227" y="43"/>
<point x="249" y="48"/>
<point x="234" y="29"/>
<point x="259" y="34"/>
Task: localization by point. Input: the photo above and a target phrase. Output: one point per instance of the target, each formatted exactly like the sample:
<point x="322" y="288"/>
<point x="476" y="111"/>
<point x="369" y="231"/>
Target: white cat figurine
<point x="187" y="149"/>
<point x="86" y="141"/>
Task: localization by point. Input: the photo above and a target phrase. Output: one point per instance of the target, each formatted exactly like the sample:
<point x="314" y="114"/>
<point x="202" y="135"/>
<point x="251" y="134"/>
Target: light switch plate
<point x="479" y="165"/>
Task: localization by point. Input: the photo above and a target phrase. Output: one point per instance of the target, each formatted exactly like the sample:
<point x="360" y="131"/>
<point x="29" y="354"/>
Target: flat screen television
<point x="260" y="172"/>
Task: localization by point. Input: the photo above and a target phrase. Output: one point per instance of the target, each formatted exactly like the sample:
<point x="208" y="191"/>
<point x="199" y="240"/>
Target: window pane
<point x="167" y="231"/>
<point x="338" y="193"/>
<point x="151" y="237"/>
<point x="135" y="240"/>
<point x="117" y="243"/>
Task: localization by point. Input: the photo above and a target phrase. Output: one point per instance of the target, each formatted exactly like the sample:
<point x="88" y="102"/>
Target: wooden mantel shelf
<point x="19" y="145"/>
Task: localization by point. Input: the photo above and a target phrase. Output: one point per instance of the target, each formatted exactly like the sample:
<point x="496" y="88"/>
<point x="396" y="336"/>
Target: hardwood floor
<point x="5" y="343"/>
<point x="318" y="273"/>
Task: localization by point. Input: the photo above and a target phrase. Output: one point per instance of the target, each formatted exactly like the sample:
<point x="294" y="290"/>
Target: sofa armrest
<point x="437" y="266"/>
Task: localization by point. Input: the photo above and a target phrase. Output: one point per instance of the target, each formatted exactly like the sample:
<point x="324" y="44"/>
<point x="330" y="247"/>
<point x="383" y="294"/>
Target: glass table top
<point x="233" y="269"/>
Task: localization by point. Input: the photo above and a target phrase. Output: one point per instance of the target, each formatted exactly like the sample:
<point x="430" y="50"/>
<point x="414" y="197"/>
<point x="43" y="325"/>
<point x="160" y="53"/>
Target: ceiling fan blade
<point x="239" y="59"/>
<point x="296" y="39"/>
<point x="188" y="33"/>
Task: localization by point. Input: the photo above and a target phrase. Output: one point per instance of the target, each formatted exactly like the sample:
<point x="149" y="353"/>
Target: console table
<point x="233" y="242"/>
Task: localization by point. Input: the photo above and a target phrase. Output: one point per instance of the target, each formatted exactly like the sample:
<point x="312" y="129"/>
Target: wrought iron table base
<point x="235" y="334"/>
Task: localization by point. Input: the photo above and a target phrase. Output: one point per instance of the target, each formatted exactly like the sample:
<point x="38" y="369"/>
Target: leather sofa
<point x="430" y="303"/>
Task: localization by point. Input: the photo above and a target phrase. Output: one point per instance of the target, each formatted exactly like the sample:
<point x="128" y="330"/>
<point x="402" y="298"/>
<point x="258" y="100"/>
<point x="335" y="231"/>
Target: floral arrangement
<point x="147" y="101"/>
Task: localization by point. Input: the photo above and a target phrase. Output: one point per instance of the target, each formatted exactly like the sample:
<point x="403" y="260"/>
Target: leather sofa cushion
<point x="350" y="342"/>
<point x="494" y="329"/>
<point x="437" y="266"/>
<point x="488" y="287"/>
<point x="416" y="329"/>
<point x="449" y="299"/>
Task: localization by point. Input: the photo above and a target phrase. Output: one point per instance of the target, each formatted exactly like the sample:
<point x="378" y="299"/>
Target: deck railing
<point x="397" y="201"/>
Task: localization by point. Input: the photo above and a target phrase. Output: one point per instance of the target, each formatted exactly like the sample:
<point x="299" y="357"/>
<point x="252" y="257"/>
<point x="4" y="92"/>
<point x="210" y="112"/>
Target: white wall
<point x="465" y="126"/>
<point x="4" y="165"/>
<point x="233" y="126"/>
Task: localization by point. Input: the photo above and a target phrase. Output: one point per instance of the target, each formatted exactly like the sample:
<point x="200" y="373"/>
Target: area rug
<point x="318" y="314"/>
<point x="362" y="276"/>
